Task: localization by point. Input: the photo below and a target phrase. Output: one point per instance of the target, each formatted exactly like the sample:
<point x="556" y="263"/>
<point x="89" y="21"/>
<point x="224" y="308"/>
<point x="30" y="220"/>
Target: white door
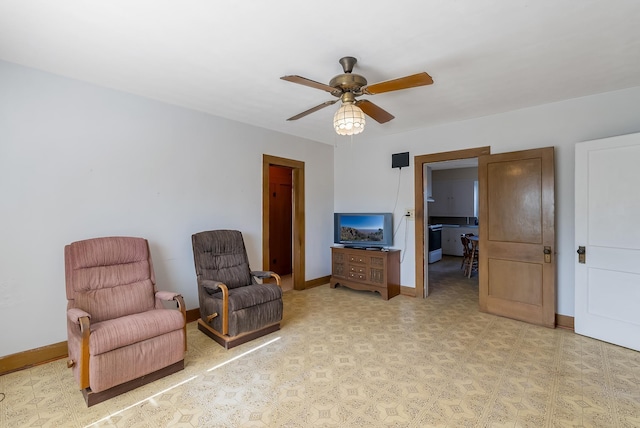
<point x="607" y="204"/>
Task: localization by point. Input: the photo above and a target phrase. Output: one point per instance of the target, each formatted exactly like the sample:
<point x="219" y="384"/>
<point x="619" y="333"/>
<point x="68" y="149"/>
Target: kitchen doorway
<point x="422" y="218"/>
<point x="451" y="210"/>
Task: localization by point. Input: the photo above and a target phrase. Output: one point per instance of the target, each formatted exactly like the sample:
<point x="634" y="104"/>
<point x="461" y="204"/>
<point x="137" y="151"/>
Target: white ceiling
<point x="225" y="58"/>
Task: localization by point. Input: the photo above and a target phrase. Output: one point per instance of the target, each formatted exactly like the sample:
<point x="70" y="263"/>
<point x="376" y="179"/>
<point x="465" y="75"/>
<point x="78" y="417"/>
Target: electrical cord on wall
<point x="395" y="232"/>
<point x="404" y="252"/>
<point x="396" y="204"/>
<point x="2" y="395"/>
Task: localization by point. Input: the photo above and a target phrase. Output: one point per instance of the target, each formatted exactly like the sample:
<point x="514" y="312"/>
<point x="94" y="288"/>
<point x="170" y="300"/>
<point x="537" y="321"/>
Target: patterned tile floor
<point x="346" y="358"/>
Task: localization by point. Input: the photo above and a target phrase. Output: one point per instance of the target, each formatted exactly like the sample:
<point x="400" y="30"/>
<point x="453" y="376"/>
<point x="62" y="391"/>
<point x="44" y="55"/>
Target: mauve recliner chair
<point x="120" y="335"/>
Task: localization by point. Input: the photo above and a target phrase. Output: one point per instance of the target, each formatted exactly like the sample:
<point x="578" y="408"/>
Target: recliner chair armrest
<point x="265" y="274"/>
<point x="166" y="295"/>
<point x="169" y="296"/>
<point x="261" y="273"/>
<point x="210" y="285"/>
<point x="74" y="315"/>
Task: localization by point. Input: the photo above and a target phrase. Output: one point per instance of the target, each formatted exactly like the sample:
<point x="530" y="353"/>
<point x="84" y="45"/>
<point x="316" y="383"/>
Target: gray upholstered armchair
<point x="120" y="335"/>
<point x="234" y="307"/>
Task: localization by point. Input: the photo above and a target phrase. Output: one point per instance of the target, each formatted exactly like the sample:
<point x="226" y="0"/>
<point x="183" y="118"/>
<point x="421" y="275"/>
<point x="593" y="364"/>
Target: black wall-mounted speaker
<point x="399" y="160"/>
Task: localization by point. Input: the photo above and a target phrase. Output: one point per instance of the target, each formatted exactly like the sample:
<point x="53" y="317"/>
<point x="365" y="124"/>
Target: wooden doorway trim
<point x="418" y="163"/>
<point x="298" y="216"/>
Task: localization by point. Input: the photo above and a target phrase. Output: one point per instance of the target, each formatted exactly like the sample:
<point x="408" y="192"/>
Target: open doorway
<point x="274" y="228"/>
<point x="281" y="220"/>
<point x="422" y="219"/>
<point x="451" y="226"/>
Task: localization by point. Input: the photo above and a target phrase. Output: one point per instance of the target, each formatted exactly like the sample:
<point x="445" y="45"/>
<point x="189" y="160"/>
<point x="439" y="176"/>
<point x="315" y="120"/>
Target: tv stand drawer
<point x="357" y="269"/>
<point x="358" y="276"/>
<point x="354" y="258"/>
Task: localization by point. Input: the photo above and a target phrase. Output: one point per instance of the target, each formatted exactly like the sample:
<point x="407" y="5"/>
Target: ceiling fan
<point x="347" y="86"/>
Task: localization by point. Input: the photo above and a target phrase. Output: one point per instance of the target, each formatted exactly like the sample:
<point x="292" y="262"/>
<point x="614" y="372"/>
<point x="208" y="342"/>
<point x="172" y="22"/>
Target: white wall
<point x="365" y="181"/>
<point x="79" y="161"/>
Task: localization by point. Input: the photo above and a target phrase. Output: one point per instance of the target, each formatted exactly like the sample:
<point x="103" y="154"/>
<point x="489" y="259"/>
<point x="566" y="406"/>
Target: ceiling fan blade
<point x="420" y="79"/>
<point x="312" y="83"/>
<point x="311" y="110"/>
<point x="376" y="113"/>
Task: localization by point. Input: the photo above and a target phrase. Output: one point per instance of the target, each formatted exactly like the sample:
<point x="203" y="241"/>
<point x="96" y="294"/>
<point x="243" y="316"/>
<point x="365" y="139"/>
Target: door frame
<point x="298" y="215"/>
<point x="419" y="162"/>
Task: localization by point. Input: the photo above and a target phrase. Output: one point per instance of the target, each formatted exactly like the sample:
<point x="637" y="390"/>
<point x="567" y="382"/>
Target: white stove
<point x="435" y="242"/>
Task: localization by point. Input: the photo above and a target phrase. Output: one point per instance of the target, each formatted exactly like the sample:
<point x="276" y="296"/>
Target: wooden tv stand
<point x="372" y="270"/>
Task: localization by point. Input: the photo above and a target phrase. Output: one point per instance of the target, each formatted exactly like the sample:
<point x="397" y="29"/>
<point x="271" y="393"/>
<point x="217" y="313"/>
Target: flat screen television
<point x="367" y="230"/>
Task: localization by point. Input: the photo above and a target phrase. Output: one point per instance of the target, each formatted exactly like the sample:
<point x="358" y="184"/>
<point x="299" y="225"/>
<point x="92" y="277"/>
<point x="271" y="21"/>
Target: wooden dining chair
<point x="472" y="265"/>
<point x="466" y="253"/>
<point x="470" y="254"/>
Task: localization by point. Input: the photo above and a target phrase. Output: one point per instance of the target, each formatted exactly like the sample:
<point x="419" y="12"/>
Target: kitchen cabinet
<point x="451" y="241"/>
<point x="454" y="198"/>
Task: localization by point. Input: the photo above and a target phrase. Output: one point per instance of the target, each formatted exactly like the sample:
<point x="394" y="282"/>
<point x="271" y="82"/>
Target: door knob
<point x="582" y="254"/>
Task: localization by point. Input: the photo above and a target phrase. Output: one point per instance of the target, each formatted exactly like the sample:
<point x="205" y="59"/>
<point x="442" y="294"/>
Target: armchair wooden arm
<point x="85" y="328"/>
<point x="225" y="308"/>
<point x="83" y="321"/>
<point x="277" y="278"/>
<point x="212" y="286"/>
<point x="182" y="308"/>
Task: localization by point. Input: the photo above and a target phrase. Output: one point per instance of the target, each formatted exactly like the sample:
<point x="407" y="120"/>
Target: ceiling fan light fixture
<point x="349" y="119"/>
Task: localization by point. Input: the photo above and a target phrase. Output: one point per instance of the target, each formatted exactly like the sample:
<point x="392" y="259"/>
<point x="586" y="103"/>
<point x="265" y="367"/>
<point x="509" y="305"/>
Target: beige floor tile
<point x="347" y="358"/>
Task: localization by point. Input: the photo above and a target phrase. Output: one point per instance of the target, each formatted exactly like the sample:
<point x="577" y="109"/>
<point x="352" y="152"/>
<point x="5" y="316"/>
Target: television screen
<point x="363" y="229"/>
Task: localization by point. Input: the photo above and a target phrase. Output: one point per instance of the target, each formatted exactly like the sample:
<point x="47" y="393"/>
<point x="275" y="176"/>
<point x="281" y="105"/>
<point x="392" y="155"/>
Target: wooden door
<point x="607" y="284"/>
<point x="516" y="277"/>
<point x="280" y="219"/>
